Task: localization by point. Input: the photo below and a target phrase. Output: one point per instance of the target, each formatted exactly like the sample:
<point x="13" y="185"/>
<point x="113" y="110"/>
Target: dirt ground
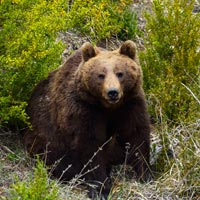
<point x="13" y="160"/>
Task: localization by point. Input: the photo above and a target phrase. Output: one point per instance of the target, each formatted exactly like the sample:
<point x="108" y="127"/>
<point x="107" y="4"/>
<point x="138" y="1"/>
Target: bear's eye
<point x="119" y="74"/>
<point x="101" y="76"/>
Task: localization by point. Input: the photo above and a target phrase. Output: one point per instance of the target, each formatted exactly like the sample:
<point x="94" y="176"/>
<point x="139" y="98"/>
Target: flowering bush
<point x="28" y="50"/>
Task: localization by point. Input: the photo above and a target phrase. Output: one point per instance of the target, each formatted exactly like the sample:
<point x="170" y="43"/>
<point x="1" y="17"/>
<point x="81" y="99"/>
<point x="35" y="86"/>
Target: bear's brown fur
<point x="94" y="99"/>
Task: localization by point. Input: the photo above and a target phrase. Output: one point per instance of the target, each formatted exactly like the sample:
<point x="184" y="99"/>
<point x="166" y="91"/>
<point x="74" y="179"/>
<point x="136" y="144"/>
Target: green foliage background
<point x="29" y="50"/>
<point x="172" y="59"/>
<point x="102" y="19"/>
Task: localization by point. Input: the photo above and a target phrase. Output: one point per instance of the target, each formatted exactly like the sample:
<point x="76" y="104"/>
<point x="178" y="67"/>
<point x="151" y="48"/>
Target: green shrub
<point x="102" y="19"/>
<point x="28" y="50"/>
<point x="172" y="58"/>
<point x="36" y="187"/>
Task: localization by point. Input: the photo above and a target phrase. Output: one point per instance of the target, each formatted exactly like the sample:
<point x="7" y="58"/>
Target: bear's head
<point x="109" y="77"/>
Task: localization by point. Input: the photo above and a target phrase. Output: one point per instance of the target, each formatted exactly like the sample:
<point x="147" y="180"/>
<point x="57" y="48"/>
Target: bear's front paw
<point x="94" y="195"/>
<point x="101" y="192"/>
<point x="144" y="175"/>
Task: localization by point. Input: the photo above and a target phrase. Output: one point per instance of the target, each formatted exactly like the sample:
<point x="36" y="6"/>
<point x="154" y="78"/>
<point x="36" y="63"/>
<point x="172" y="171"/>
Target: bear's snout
<point x="113" y="94"/>
<point x="112" y="91"/>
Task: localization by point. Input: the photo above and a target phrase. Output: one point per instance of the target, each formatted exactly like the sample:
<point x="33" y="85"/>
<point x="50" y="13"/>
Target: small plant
<point x="28" y="51"/>
<point x="128" y="21"/>
<point x="172" y="58"/>
<point x="37" y="187"/>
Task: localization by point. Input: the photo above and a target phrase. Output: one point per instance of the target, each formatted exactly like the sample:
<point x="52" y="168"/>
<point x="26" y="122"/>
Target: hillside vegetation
<point x="31" y="46"/>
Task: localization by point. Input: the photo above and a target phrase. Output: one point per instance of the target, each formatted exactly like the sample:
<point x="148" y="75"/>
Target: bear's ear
<point x="128" y="48"/>
<point x="88" y="51"/>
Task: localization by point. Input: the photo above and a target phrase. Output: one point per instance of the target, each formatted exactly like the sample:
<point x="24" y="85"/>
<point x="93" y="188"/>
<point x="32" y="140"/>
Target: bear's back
<point x="42" y="103"/>
<point x="43" y="93"/>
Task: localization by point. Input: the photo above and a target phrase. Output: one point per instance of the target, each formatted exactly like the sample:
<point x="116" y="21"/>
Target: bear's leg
<point x="102" y="184"/>
<point x="99" y="177"/>
<point x="139" y="159"/>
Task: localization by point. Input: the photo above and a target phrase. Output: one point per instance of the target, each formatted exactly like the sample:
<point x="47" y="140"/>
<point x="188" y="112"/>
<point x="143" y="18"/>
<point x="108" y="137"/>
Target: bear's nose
<point x="113" y="94"/>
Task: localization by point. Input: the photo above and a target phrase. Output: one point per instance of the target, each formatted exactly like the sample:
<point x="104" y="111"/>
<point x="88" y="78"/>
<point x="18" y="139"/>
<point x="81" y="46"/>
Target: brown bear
<point x="86" y="111"/>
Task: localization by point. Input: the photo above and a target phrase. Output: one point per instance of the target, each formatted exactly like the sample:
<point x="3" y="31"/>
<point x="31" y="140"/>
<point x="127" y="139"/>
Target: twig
<point x="7" y="149"/>
<point x="94" y="155"/>
<point x="82" y="173"/>
<point x="191" y="92"/>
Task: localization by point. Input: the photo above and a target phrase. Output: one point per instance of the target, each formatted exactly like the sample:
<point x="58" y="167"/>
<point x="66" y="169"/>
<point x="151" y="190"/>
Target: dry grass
<point x="178" y="170"/>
